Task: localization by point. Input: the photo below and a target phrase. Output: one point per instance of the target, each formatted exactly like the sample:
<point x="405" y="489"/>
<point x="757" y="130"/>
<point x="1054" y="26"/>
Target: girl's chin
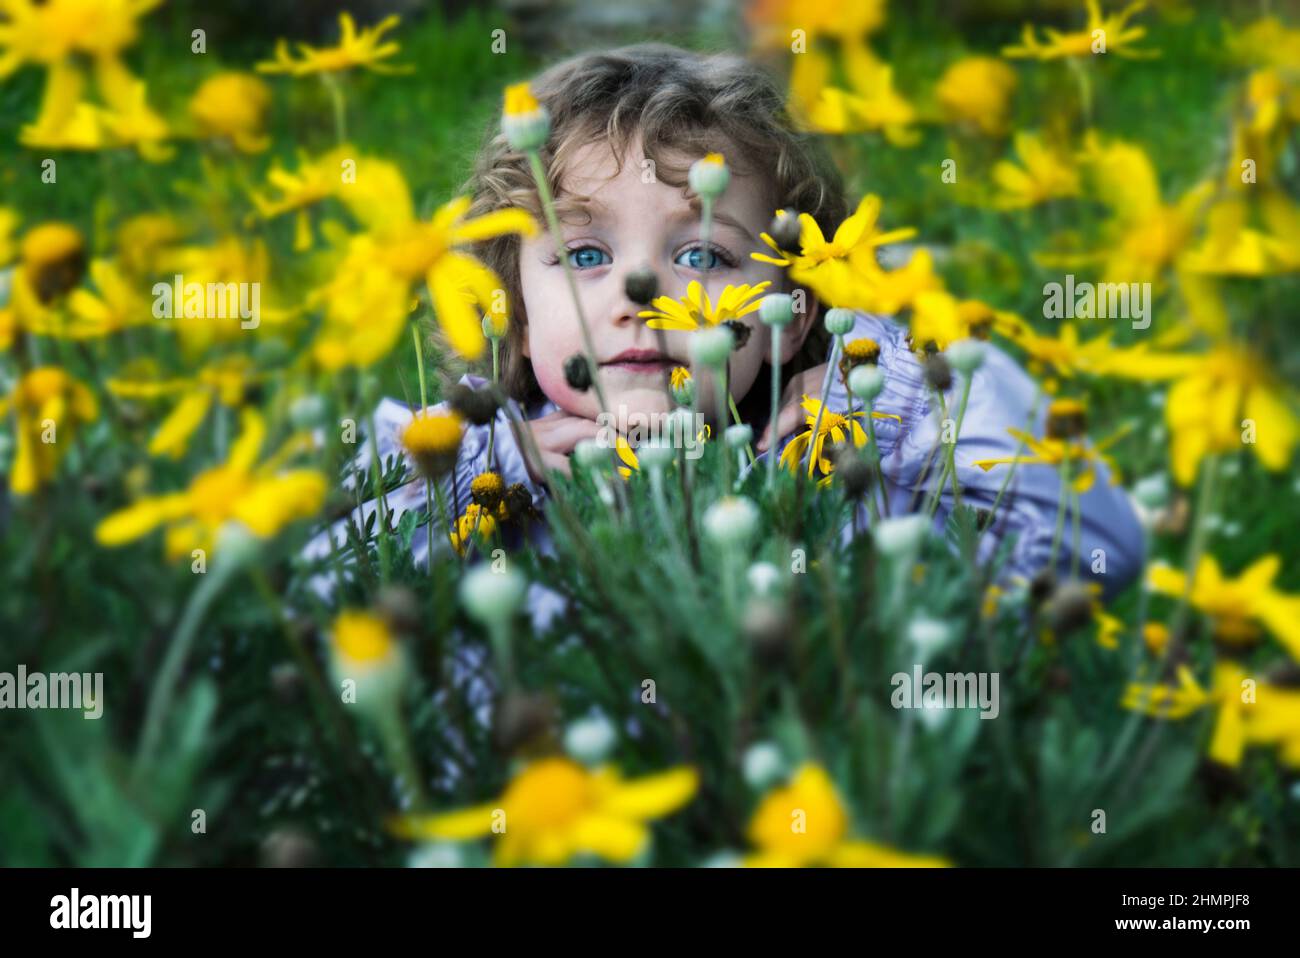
<point x="640" y="399"/>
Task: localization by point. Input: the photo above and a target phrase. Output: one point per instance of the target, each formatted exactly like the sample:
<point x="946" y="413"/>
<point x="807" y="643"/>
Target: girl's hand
<point x="791" y="414"/>
<point x="554" y="436"/>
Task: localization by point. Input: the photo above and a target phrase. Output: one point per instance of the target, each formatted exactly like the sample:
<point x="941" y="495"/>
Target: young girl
<point x="625" y="127"/>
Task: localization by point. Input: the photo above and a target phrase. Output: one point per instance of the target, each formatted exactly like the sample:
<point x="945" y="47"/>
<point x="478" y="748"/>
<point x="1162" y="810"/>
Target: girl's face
<point x="636" y="224"/>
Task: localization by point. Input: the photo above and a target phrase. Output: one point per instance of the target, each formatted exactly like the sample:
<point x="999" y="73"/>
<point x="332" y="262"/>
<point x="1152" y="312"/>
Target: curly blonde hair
<point x="679" y="102"/>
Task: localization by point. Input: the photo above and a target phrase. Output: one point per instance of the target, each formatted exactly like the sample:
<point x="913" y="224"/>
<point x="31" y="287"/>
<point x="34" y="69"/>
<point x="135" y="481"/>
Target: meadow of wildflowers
<point x="216" y="258"/>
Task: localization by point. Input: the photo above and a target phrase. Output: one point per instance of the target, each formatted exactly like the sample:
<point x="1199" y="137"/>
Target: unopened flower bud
<point x="491" y="597"/>
<point x="709" y="176"/>
<point x="866" y="382"/>
<point x="738" y="436"/>
<point x="839" y="322"/>
<point x="776" y="309"/>
<point x="785" y="229"/>
<point x="732" y="522"/>
<point x="590" y="739"/>
<point x="901" y="535"/>
<point x="591" y="455"/>
<point x="524" y="121"/>
<point x="712" y="346"/>
<point x="966" y="355"/>
<point x="656" y="454"/>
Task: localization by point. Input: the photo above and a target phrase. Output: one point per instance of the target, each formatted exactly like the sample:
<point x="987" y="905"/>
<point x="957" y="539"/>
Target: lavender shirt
<point x="1002" y="395"/>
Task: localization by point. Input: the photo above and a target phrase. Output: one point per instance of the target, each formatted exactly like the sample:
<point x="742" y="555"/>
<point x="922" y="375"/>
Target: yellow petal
<point x="451" y="826"/>
<point x="610" y="837"/>
<point x="496" y="223"/>
<point x="653" y="796"/>
<point x="136" y="520"/>
<point x="174" y="433"/>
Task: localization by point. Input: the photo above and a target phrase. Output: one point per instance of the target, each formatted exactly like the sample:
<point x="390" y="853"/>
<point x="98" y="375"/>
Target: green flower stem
<point x="1195" y="549"/>
<point x="164" y="685"/>
<point x="836" y="345"/>
<point x="1061" y="499"/>
<point x="877" y="462"/>
<point x="496" y="380"/>
<point x="1006" y="482"/>
<point x="553" y="224"/>
<point x="428" y="483"/>
<point x="340" y="106"/>
<point x="774" y="440"/>
<point x="952" y="446"/>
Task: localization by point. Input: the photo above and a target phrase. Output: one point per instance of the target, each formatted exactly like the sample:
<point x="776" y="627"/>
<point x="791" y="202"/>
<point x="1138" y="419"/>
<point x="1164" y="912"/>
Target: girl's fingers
<point x="563" y="434"/>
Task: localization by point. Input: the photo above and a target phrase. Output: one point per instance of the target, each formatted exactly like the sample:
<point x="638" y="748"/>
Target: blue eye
<point x="697" y="257"/>
<point x="588" y="257"/>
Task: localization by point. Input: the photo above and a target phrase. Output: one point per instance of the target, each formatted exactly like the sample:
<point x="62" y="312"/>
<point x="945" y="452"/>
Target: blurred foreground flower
<point x="1237" y="607"/>
<point x="261" y="497"/>
<point x="1250" y="711"/>
<point x="48" y="405"/>
<point x="368" y="302"/>
<point x="224" y="381"/>
<point x="555" y="809"/>
<point x="805" y="823"/>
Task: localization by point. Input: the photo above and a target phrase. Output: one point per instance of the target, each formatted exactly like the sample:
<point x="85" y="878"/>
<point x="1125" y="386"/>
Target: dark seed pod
<point x="740" y="331"/>
<point x="1041" y="586"/>
<point x="937" y="372"/>
<point x="399" y="607"/>
<point x="641" y="285"/>
<point x="1070" y="607"/>
<point x="852" y="472"/>
<point x="577" y="372"/>
<point x="519" y="502"/>
<point x="785" y="229"/>
<point x="523" y="721"/>
<point x="478" y="406"/>
<point x="1066" y="419"/>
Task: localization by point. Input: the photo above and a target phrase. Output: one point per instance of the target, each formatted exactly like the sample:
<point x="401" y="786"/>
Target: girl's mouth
<point x="645" y="361"/>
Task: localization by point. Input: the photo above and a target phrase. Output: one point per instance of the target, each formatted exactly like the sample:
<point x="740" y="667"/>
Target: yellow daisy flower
<point x="834" y="426"/>
<point x="833" y="269"/>
<point x="1050" y="451"/>
<point x="1238" y="607"/>
<point x="49" y="406"/>
<point x="261" y="497"/>
<point x="977" y="91"/>
<point x="1046" y="174"/>
<point x="1109" y="34"/>
<point x="555" y="809"/>
<point x="225" y="381"/>
<point x="368" y="303"/>
<point x="1250" y="711"/>
<point x="432" y="440"/>
<point x="697" y="310"/>
<point x="355" y="49"/>
<point x="233" y="106"/>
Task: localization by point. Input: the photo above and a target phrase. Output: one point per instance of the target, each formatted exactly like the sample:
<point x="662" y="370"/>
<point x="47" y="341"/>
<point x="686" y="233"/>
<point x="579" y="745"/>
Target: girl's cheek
<point x="550" y="377"/>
